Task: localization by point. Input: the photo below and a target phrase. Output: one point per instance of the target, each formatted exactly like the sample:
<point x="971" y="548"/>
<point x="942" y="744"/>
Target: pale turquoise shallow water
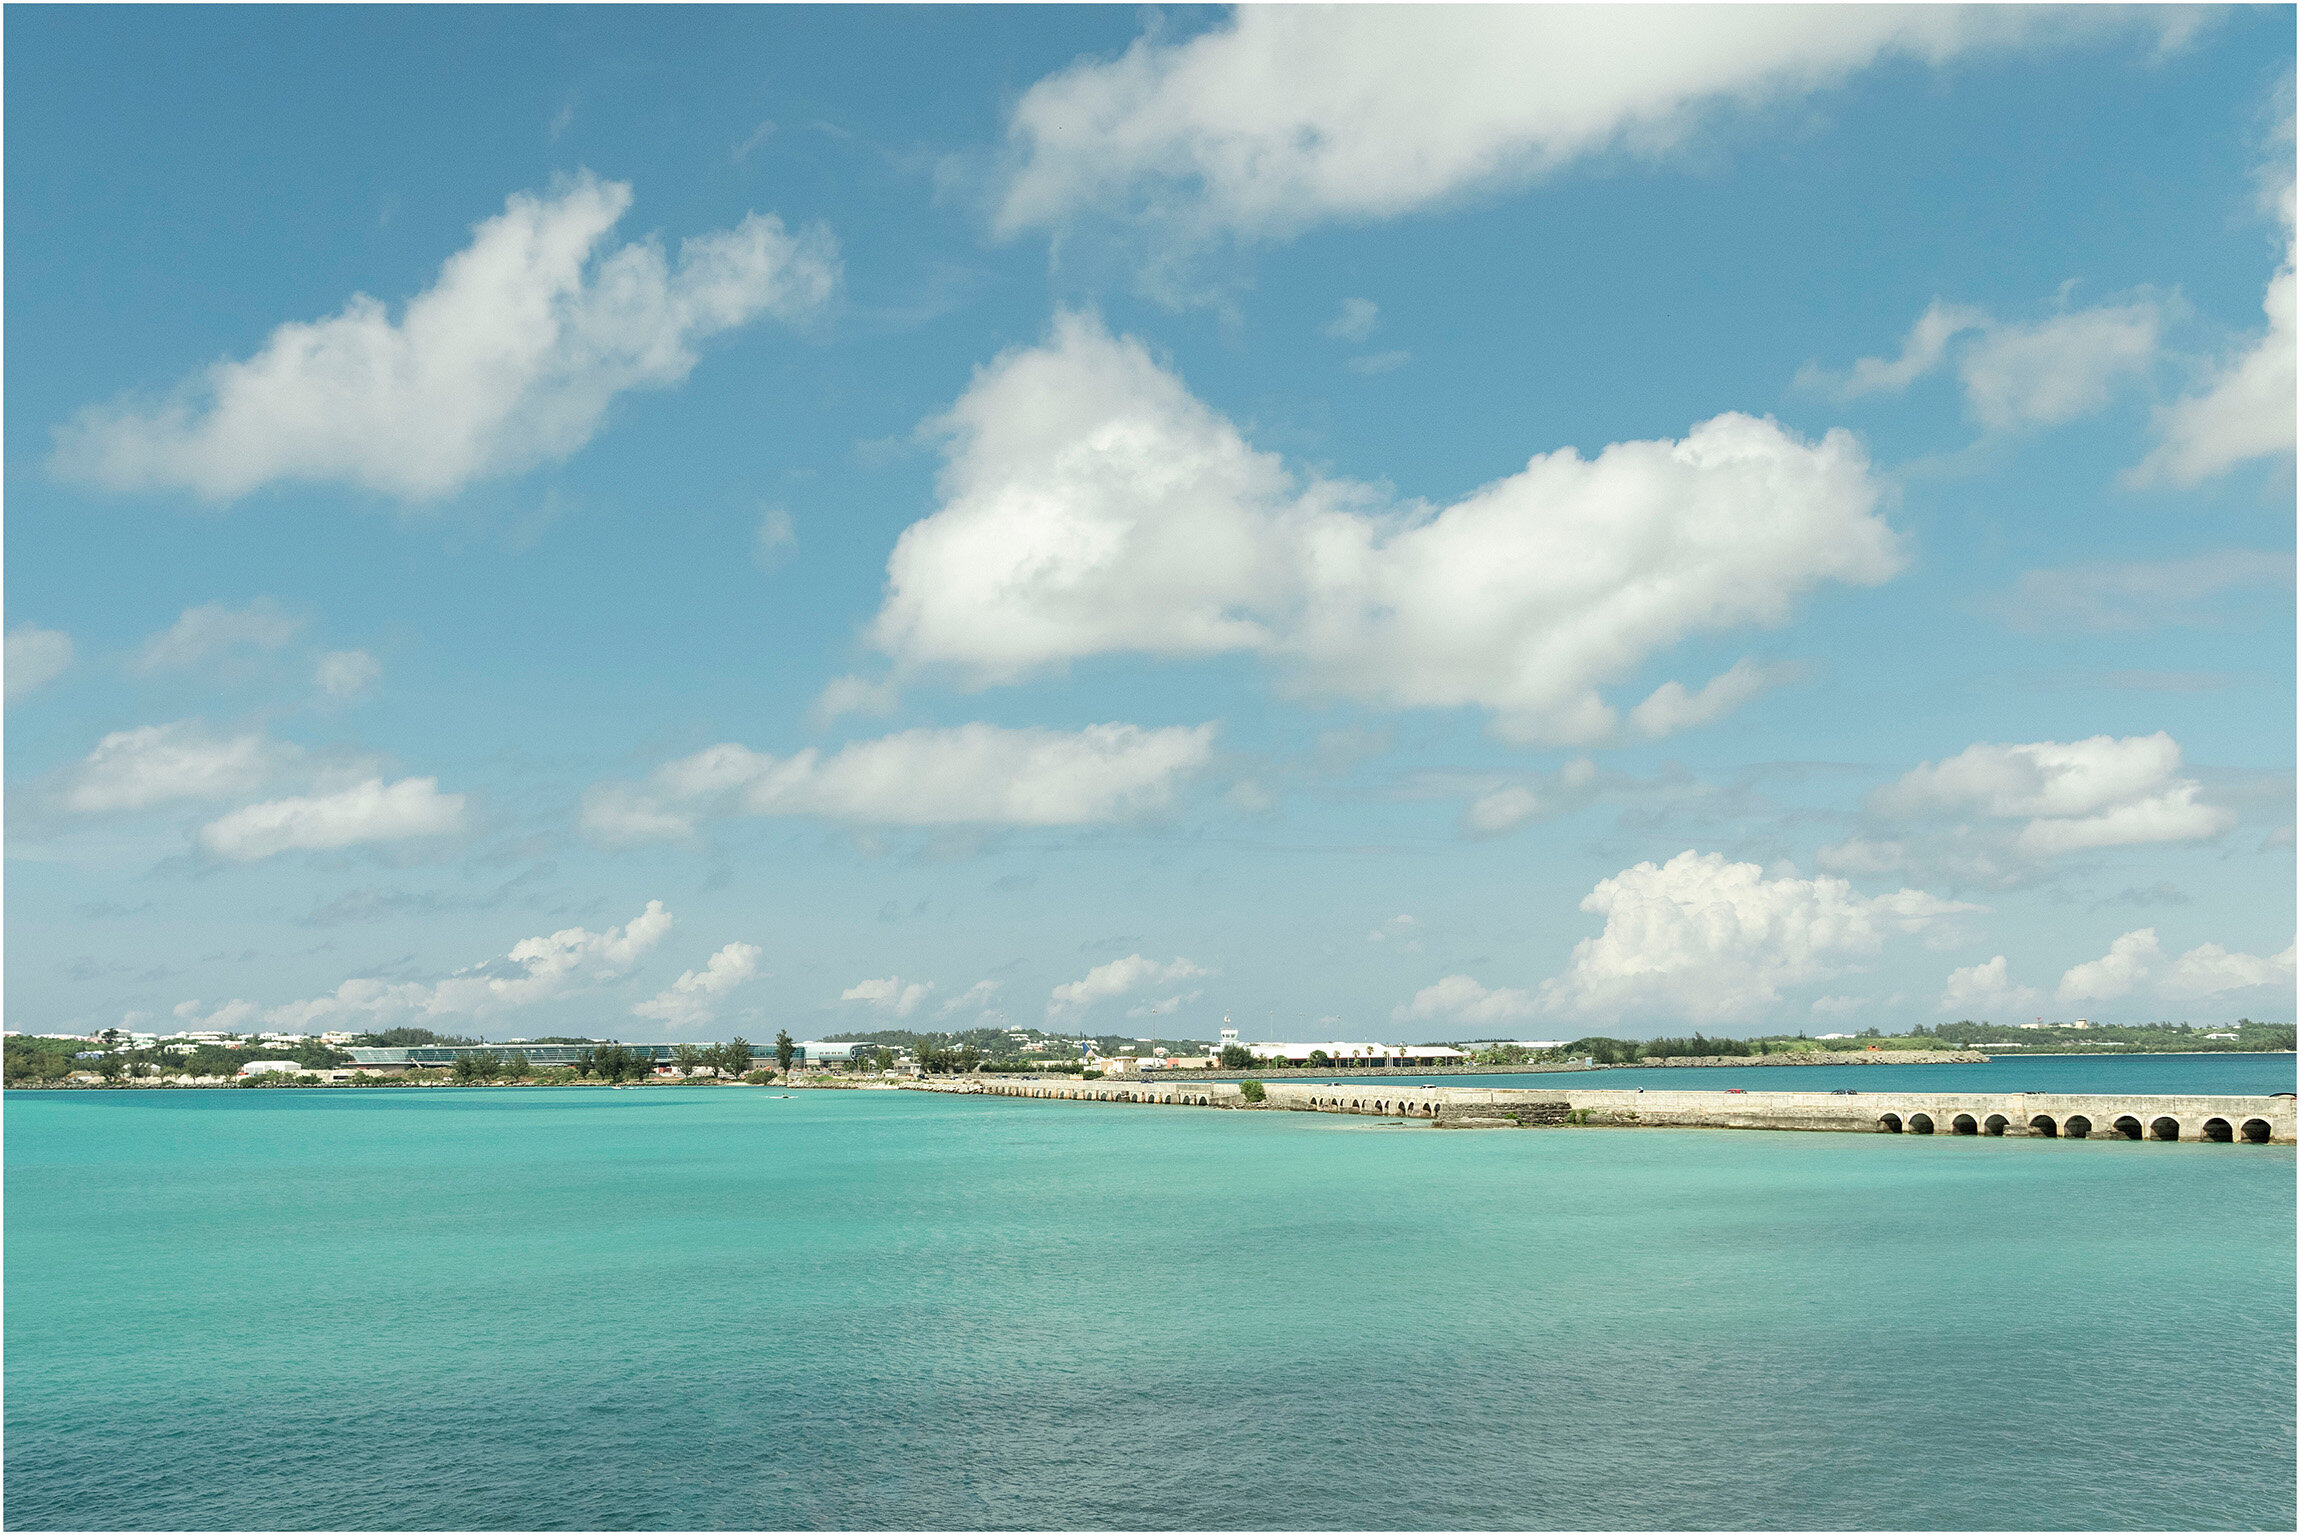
<point x="2251" y="1072"/>
<point x="580" y="1308"/>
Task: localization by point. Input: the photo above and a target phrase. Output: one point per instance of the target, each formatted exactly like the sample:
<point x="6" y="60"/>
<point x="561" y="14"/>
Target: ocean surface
<point x="546" y="1308"/>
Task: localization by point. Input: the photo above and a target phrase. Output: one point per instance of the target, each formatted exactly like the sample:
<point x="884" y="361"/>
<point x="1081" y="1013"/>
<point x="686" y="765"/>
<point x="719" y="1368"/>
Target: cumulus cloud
<point x="510" y="359"/>
<point x="346" y="675"/>
<point x="693" y="999"/>
<point x="2243" y="411"/>
<point x="1121" y="977"/>
<point x="1288" y="116"/>
<point x="2208" y="970"/>
<point x="2110" y="596"/>
<point x="2204" y="971"/>
<point x="155" y="764"/>
<point x="366" y="812"/>
<point x="2058" y="369"/>
<point x="889" y="995"/>
<point x="1460" y="999"/>
<point x="1987" y="988"/>
<point x="34" y="658"/>
<point x="967" y="775"/>
<point x="206" y="632"/>
<point x="2014" y="375"/>
<point x="2128" y="962"/>
<point x="2071" y="795"/>
<point x="1708" y="941"/>
<point x="537" y="970"/>
<point x="1091" y="506"/>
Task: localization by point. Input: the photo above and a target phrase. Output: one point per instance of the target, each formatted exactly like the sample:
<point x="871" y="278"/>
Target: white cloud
<point x="2108" y="596"/>
<point x="966" y="775"/>
<point x="776" y="540"/>
<point x="2059" y="369"/>
<point x="1165" y="1006"/>
<point x="154" y="764"/>
<point x="974" y="997"/>
<point x="34" y="658"/>
<point x="1506" y="807"/>
<point x="1402" y="925"/>
<point x="1357" y="320"/>
<point x="1705" y="941"/>
<point x="346" y="675"/>
<point x="1922" y="350"/>
<point x="205" y="632"/>
<point x="372" y="811"/>
<point x="1987" y="988"/>
<point x="2208" y="970"/>
<point x="2244" y="411"/>
<point x="1672" y="708"/>
<point x="693" y="999"/>
<point x="537" y="970"/>
<point x="1092" y="506"/>
<point x="2072" y="795"/>
<point x="1460" y="999"/>
<point x="2054" y="370"/>
<point x="889" y="995"/>
<point x="2128" y="962"/>
<point x="2205" y="971"/>
<point x="1500" y="810"/>
<point x="1287" y="116"/>
<point x="510" y="359"/>
<point x="1117" y="979"/>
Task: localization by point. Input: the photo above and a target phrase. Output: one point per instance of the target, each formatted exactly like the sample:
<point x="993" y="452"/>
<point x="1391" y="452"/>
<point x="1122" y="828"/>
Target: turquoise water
<point x="541" y="1308"/>
<point x="2220" y="1073"/>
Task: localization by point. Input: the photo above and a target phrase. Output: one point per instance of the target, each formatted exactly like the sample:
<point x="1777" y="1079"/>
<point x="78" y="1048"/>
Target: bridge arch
<point x="2165" y="1128"/>
<point x="1889" y="1123"/>
<point x="1965" y="1124"/>
<point x="1920" y="1124"/>
<point x="2257" y="1132"/>
<point x="2043" y="1125"/>
<point x="1995" y="1124"/>
<point x="2126" y="1128"/>
<point x="2076" y="1127"/>
<point x="2218" y="1130"/>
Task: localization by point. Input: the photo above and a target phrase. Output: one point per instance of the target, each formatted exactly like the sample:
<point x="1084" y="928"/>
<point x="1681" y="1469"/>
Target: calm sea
<point x="542" y="1308"/>
<point x="2252" y="1072"/>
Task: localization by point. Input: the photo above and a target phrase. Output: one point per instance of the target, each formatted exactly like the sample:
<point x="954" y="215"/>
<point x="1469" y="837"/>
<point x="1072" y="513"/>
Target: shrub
<point x="1252" y="1091"/>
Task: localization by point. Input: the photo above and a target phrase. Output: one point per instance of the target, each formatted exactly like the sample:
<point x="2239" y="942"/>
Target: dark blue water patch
<point x="540" y="1309"/>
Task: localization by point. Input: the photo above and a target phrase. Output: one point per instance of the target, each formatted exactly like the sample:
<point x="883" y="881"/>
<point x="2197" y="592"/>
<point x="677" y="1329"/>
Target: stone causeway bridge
<point x="2071" y="1116"/>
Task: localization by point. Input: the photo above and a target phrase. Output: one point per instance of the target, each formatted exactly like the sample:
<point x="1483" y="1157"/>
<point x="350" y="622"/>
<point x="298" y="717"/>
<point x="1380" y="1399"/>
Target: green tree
<point x="1236" y="1058"/>
<point x="586" y="1062"/>
<point x="1252" y="1091"/>
<point x="786" y="1050"/>
<point x="518" y="1066"/>
<point x="735" y="1057"/>
<point x="110" y="1066"/>
<point x="688" y="1060"/>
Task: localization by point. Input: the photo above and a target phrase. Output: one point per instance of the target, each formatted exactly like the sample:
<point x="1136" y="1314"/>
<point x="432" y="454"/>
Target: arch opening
<point x="2217" y="1130"/>
<point x="2126" y="1128"/>
<point x="1994" y="1125"/>
<point x="2256" y="1132"/>
<point x="2043" y="1125"/>
<point x="2077" y="1128"/>
<point x="1920" y="1124"/>
<point x="1890" y="1124"/>
<point x="1964" y="1124"/>
<point x="2165" y="1129"/>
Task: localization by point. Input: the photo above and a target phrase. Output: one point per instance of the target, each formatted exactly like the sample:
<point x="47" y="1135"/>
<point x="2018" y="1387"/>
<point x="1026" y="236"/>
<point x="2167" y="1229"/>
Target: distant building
<point x="1342" y="1052"/>
<point x="259" y="1068"/>
<point x="1833" y="1036"/>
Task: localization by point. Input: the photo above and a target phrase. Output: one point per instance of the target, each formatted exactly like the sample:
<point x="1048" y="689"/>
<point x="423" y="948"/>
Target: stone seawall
<point x="2076" y="1116"/>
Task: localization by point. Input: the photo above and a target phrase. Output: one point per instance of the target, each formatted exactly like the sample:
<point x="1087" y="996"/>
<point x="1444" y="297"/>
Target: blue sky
<point x="1394" y="524"/>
